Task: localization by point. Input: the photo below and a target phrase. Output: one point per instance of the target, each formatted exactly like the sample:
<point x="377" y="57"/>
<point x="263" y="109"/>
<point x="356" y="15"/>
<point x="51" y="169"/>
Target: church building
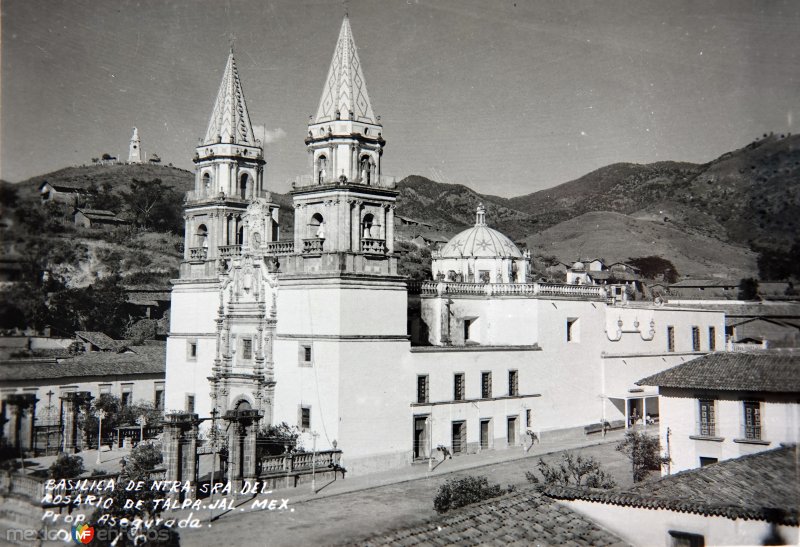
<point x="317" y="329"/>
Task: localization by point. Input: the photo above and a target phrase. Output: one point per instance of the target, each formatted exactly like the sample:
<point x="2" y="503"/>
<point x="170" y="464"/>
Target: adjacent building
<point x="725" y="405"/>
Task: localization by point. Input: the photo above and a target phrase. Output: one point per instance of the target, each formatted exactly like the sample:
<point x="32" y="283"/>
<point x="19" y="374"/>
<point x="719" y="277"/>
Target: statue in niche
<point x="272" y="264"/>
<point x="255" y="240"/>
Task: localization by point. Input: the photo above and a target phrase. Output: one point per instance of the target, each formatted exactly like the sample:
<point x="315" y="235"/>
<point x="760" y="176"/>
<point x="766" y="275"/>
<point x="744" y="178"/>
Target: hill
<point x="616" y="237"/>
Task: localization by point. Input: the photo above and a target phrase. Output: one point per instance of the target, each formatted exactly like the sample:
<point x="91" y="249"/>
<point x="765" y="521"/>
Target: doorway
<point x="421" y="443"/>
<point x="512" y="430"/>
<point x="459" y="437"/>
<point x="485" y="434"/>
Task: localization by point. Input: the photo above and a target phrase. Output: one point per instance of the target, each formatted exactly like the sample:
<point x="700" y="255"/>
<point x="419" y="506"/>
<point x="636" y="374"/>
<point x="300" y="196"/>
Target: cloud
<point x="268" y="136"/>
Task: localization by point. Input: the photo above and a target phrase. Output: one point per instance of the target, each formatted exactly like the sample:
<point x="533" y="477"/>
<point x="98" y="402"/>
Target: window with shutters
<point x="422" y="389"/>
<point x="513" y="382"/>
<point x="752" y="420"/>
<point x="486" y="385"/>
<point x="707" y="424"/>
<point x="458" y="386"/>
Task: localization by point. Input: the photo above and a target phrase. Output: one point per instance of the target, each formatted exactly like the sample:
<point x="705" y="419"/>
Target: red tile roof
<point x="756" y="487"/>
<point x="523" y="517"/>
<point x="147" y="360"/>
<point x="734" y="371"/>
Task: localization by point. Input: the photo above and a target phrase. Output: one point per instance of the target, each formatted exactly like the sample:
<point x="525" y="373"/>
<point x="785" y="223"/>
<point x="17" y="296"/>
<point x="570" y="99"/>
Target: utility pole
<point x="100" y="414"/>
<point x="214" y="413"/>
<point x="314" y="435"/>
<point x="47" y="419"/>
<point x="142" y="420"/>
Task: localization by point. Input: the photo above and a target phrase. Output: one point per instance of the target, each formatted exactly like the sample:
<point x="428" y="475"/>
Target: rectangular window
<point x="422" y="389"/>
<point x="304" y="355"/>
<point x="458" y="386"/>
<point x="486" y="385"/>
<point x="247" y="349"/>
<point x="752" y="420"/>
<point x="707" y="425"/>
<point x="528" y="418"/>
<point x="127" y="395"/>
<point x="695" y="339"/>
<point x="704" y="461"/>
<point x="685" y="539"/>
<point x="190" y="403"/>
<point x="191" y="350"/>
<point x="467" y="325"/>
<point x="158" y="398"/>
<point x="513" y="382"/>
<point x="572" y="330"/>
<point x="670" y="338"/>
<point x="105" y="388"/>
<point x="305" y="417"/>
<point x="712" y="338"/>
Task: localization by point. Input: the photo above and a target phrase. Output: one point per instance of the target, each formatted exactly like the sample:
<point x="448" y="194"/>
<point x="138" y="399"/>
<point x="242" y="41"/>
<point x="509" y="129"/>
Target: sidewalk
<point x="413" y="472"/>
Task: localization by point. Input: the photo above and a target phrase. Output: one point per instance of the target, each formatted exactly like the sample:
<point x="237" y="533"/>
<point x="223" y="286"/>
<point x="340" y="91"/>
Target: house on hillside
<point x="150" y="301"/>
<point x="98" y="218"/>
<point x="405" y="221"/>
<point x="751" y="500"/>
<point x="430" y="239"/>
<point x="704" y="289"/>
<point x="725" y="405"/>
<point x="62" y="192"/>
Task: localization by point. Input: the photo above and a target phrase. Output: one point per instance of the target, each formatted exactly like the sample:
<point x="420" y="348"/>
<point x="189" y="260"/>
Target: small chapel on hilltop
<point x="317" y="329"/>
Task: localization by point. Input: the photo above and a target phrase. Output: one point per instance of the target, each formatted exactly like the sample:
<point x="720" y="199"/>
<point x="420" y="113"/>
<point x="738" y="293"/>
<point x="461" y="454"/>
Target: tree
<point x="115" y="522"/>
<point x="66" y="467"/>
<point x="572" y="471"/>
<point x="455" y="493"/>
<point x="154" y="205"/>
<point x="144" y="329"/>
<point x="655" y="267"/>
<point x="273" y="440"/>
<point x="644" y="451"/>
<point x="748" y="289"/>
<point x="98" y="307"/>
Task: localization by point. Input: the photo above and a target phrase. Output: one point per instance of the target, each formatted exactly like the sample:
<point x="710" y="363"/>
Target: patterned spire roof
<point x="229" y="118"/>
<point x="345" y="89"/>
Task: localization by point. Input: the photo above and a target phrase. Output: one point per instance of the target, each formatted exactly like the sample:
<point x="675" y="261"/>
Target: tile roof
<point x="523" y="517"/>
<point x="100" y="339"/>
<point x="760" y="486"/>
<point x="149" y="361"/>
<point x="752" y="309"/>
<point x="734" y="371"/>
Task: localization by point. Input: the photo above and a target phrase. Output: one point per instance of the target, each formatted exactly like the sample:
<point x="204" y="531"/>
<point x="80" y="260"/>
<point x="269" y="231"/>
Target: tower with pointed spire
<point x="345" y="204"/>
<point x="229" y="175"/>
<point x="135" y="148"/>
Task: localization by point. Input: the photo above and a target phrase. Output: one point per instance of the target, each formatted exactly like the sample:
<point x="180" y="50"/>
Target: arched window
<point x="366" y="225"/>
<point x="366" y="170"/>
<point x="243" y="183"/>
<point x="322" y="169"/>
<point x="201" y="236"/>
<point x="206" y="188"/>
<point x="317" y="226"/>
<point x="240" y="236"/>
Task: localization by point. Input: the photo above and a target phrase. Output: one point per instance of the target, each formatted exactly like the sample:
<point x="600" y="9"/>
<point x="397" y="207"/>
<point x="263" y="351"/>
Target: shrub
<point x="572" y="471"/>
<point x="457" y="493"/>
<point x="66" y="467"/>
<point x="643" y="451"/>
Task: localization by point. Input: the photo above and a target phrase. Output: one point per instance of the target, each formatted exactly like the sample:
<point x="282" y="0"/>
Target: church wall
<point x="314" y="385"/>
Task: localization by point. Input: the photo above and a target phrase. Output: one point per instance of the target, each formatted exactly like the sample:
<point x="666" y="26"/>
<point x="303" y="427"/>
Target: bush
<point x="457" y="493"/>
<point x="572" y="471"/>
<point x="66" y="467"/>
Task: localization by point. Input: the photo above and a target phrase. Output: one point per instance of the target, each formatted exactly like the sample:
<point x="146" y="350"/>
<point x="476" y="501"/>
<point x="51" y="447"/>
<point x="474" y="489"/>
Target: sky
<point x="507" y="97"/>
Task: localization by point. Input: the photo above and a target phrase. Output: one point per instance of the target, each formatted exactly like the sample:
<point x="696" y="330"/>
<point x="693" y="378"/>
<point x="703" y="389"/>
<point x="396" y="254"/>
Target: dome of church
<point x="578" y="266"/>
<point x="480" y="241"/>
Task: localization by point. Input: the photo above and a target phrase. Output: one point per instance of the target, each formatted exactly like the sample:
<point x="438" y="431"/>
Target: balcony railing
<point x="198" y="253"/>
<point x="193" y="195"/>
<point x="376" y="246"/>
<point x="229" y="251"/>
<point x="313" y="245"/>
<point x="300" y="461"/>
<point x="594" y="292"/>
<point x="280" y="247"/>
<point x="381" y="181"/>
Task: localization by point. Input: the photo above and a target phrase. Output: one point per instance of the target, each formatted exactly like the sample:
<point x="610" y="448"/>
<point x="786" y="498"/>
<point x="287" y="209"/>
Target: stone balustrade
<point x="381" y="181"/>
<point x="195" y="196"/>
<point x="313" y="245"/>
<point x="375" y="246"/>
<point x="279" y="247"/>
<point x="561" y="290"/>
<point x="299" y="461"/>
<point x="230" y="251"/>
<point x="198" y="253"/>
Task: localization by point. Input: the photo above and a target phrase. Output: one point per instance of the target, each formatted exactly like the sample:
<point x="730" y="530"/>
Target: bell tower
<point x="345" y="205"/>
<point x="229" y="174"/>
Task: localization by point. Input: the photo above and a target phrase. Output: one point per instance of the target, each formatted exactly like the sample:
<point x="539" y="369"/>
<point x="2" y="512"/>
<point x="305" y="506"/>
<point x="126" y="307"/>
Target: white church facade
<point x="318" y="330"/>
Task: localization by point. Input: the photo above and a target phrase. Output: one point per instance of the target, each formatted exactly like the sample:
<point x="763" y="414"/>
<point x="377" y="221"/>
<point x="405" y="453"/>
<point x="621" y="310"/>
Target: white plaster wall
<point x="680" y="411"/>
<point x="650" y="527"/>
